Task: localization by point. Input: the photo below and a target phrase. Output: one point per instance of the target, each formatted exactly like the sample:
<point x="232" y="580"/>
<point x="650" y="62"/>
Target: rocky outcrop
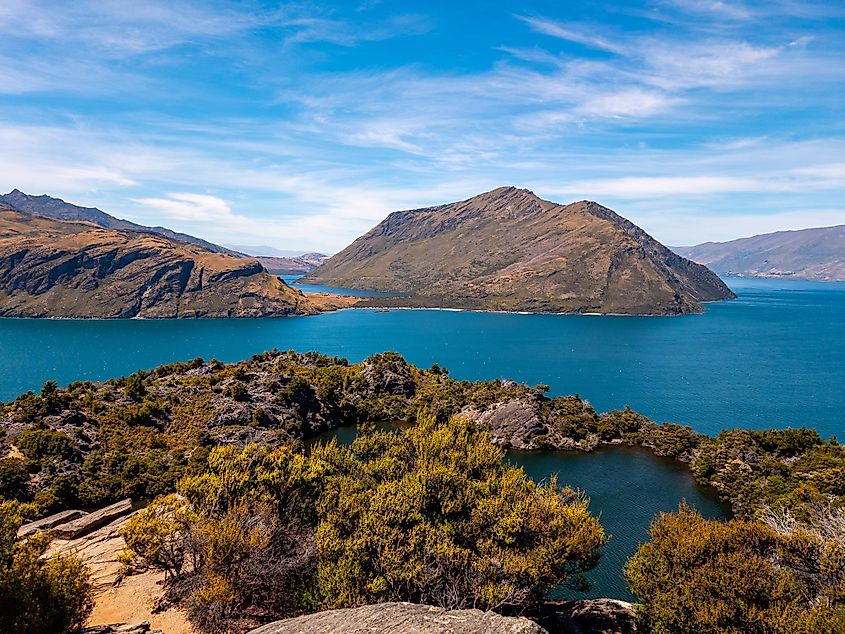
<point x="49" y="522"/>
<point x="515" y="424"/>
<point x="590" y="616"/>
<point x="509" y="250"/>
<point x="402" y="618"/>
<point x="51" y="268"/>
<point x="89" y="522"/>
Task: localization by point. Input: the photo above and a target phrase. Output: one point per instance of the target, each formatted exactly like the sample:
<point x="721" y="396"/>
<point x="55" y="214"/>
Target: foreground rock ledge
<point x="402" y="618"/>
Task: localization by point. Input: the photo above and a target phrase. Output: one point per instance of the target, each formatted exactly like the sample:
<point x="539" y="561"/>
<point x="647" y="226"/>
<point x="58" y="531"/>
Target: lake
<point x="773" y="357"/>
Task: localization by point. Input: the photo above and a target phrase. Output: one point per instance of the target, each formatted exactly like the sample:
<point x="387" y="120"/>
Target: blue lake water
<point x="319" y="288"/>
<point x="773" y="357"/>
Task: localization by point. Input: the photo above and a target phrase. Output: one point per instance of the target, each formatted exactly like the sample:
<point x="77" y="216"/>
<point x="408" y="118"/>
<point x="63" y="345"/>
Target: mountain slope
<point x="507" y="249"/>
<point x="297" y="265"/>
<point x="810" y="254"/>
<point x="58" y="209"/>
<point x="51" y="268"/>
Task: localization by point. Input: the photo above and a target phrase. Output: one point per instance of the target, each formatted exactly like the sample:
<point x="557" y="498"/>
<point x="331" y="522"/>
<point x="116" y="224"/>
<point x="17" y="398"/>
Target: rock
<point x="590" y="616"/>
<point x="140" y="627"/>
<point x="402" y="618"/>
<point x="98" y="550"/>
<point x="49" y="522"/>
<point x="515" y="424"/>
<point x="92" y="521"/>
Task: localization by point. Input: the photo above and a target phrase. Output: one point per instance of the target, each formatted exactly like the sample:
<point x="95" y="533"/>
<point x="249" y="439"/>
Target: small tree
<point x="38" y="595"/>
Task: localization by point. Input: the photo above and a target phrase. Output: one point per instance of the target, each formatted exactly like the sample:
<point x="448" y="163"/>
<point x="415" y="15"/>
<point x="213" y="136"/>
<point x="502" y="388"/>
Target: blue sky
<point x="301" y="125"/>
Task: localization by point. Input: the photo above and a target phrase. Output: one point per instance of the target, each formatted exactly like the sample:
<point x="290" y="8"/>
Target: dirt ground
<point x="132" y="601"/>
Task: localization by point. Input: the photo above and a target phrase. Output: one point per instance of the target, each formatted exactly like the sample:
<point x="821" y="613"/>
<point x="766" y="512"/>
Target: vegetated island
<point x="57" y="268"/>
<point x="509" y="250"/>
<point x="432" y="514"/>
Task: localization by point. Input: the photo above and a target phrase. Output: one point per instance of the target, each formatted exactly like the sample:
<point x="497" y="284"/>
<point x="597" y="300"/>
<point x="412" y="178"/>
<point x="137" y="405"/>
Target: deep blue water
<point x="773" y="357"/>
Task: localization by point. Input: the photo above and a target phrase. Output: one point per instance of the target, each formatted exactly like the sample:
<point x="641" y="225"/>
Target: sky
<point x="301" y="125"/>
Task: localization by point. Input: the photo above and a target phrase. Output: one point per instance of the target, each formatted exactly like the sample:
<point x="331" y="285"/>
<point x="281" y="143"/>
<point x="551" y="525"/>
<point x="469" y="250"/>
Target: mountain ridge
<point x="816" y="253"/>
<point x="508" y="249"/>
<point x="58" y="209"/>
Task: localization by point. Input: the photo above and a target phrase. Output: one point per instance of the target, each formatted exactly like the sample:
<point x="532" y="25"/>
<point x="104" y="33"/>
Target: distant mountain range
<point x="264" y="251"/>
<point x="509" y="250"/>
<point x="808" y="254"/>
<point x="299" y="265"/>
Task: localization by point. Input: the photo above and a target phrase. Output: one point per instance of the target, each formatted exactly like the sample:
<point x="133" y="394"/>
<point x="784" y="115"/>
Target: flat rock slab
<point x="402" y="618"/>
<point x="98" y="550"/>
<point x="49" y="522"/>
<point x="92" y="521"/>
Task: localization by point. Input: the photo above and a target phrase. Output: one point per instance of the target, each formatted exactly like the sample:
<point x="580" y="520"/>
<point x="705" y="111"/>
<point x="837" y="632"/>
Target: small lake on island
<point x="774" y="357"/>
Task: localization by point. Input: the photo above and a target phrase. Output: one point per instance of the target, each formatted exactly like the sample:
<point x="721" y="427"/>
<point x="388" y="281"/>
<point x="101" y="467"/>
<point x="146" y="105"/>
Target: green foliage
<point x="697" y="575"/>
<point x="403" y="517"/>
<point x="42" y="444"/>
<point x="13" y="478"/>
<point x="37" y="595"/>
<point x="134" y="387"/>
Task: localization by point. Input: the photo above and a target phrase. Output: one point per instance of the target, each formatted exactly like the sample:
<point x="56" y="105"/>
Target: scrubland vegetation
<point x="248" y="524"/>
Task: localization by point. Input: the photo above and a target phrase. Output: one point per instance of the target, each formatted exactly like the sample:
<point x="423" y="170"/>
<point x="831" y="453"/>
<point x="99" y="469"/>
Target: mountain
<point x="807" y="254"/>
<point x="53" y="268"/>
<point x="299" y="265"/>
<point x="509" y="250"/>
<point x="264" y="251"/>
<point x="58" y="209"/>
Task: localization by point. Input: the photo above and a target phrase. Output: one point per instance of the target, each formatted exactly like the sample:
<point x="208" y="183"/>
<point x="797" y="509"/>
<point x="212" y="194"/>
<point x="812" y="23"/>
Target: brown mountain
<point x="807" y="254"/>
<point x="52" y="268"/>
<point x="509" y="250"/>
<point x="58" y="209"/>
<point x="294" y="265"/>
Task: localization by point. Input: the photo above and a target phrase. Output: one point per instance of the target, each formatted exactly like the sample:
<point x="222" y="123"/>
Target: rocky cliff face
<point x="507" y="249"/>
<point x="51" y="268"/>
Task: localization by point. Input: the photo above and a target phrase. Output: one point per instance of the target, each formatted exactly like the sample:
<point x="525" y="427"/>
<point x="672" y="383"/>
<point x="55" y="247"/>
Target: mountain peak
<point x="507" y="249"/>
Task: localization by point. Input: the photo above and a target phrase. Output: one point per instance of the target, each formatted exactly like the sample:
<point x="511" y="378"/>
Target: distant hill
<point x="264" y="251"/>
<point x="58" y="209"/>
<point x="807" y="254"/>
<point x="54" y="268"/>
<point x="299" y="265"/>
<point x="509" y="250"/>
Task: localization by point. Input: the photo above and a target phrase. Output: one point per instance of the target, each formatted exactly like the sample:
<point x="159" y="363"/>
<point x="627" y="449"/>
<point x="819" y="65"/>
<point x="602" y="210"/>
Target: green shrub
<point x="698" y="575"/>
<point x="37" y="595"/>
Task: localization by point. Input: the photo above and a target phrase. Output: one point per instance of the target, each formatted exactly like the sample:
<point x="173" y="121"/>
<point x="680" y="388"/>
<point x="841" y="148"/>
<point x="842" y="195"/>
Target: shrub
<point x="403" y="517"/>
<point x="697" y="575"/>
<point x="37" y="595"/>
<point x="42" y="444"/>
